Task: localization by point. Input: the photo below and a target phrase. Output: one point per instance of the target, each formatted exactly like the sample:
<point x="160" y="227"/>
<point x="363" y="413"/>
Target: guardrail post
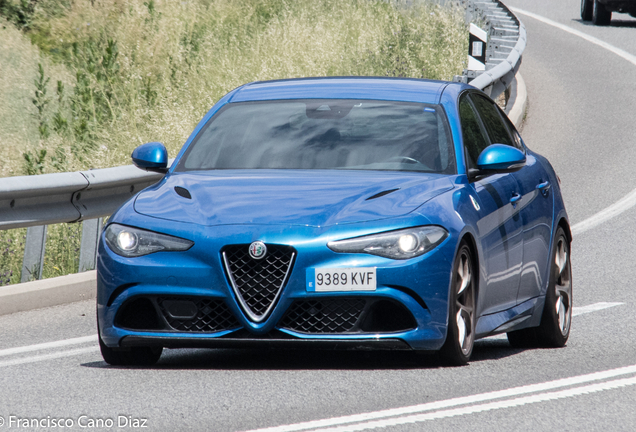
<point x="91" y="230"/>
<point x="33" y="261"/>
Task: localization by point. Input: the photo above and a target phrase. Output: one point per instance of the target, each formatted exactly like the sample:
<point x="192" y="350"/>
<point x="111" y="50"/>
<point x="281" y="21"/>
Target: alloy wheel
<point x="465" y="303"/>
<point x="563" y="286"/>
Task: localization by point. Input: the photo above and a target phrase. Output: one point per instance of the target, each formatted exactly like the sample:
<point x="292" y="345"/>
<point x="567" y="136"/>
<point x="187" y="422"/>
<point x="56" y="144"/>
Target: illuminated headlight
<point x="127" y="240"/>
<point x="400" y="244"/>
<point x="133" y="242"/>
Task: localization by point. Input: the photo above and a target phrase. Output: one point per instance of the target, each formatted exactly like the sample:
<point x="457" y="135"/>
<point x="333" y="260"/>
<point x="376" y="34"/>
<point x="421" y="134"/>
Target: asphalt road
<point x="581" y="117"/>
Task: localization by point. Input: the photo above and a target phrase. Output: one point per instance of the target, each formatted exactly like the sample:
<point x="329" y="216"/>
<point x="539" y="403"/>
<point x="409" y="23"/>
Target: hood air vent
<point x="381" y="194"/>
<point x="182" y="192"/>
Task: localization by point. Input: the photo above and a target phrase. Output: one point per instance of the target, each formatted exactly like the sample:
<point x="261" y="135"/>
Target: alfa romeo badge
<point x="258" y="250"/>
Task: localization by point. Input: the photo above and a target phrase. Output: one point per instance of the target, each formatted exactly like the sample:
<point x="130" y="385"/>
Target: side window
<point x="516" y="137"/>
<point x="495" y="126"/>
<point x="474" y="139"/>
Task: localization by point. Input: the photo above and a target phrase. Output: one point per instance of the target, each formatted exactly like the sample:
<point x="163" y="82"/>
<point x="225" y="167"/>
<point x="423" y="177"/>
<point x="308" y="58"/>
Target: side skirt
<point x="526" y="314"/>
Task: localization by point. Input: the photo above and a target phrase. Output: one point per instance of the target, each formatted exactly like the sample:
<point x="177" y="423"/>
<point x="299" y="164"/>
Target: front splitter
<point x="303" y="344"/>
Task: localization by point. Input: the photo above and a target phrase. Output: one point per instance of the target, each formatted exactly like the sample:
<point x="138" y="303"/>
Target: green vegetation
<point x="61" y="258"/>
<point x="83" y="82"/>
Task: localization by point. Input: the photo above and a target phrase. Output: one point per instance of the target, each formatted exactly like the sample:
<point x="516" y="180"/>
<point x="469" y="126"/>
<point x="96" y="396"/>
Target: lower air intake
<point x="205" y="314"/>
<point x="176" y="314"/>
<point x="347" y="315"/>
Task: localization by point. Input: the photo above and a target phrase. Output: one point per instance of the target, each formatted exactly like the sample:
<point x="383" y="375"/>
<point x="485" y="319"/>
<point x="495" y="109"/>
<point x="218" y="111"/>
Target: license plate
<point x="341" y="279"/>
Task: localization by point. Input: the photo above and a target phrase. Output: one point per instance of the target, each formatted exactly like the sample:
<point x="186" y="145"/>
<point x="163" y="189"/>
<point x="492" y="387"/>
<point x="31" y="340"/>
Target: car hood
<point x="290" y="197"/>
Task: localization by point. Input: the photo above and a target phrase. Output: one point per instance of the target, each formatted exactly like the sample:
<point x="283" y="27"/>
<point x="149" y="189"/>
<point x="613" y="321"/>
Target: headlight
<point x="400" y="244"/>
<point x="133" y="242"/>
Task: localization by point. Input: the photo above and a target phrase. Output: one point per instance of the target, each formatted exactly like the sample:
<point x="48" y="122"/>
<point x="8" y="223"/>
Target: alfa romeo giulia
<point x="339" y="213"/>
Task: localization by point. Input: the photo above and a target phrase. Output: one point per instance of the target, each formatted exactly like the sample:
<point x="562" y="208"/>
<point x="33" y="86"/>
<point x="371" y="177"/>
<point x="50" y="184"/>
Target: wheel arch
<point x="472" y="244"/>
<point x="563" y="223"/>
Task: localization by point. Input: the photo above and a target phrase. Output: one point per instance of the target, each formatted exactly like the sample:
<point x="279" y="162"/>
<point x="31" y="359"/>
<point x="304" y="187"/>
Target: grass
<point x="84" y="82"/>
<point x="61" y="257"/>
<point x="11" y="252"/>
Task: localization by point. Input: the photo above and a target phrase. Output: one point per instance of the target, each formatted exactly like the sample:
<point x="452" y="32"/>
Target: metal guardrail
<point x="37" y="201"/>
<point x="27" y="201"/>
<point x="506" y="43"/>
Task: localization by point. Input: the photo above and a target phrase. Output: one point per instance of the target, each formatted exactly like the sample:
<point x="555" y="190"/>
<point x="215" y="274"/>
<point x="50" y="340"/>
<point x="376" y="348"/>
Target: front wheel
<point x="600" y="15"/>
<point x="587" y="7"/>
<point x="460" y="335"/>
<point x="137" y="356"/>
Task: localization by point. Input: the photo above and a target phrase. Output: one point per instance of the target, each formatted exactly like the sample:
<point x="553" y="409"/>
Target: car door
<point x="500" y="226"/>
<point x="537" y="208"/>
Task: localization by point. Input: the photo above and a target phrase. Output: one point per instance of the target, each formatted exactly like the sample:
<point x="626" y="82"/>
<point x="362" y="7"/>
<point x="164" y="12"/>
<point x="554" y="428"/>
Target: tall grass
<point x="104" y="76"/>
<point x="11" y="252"/>
<point x="61" y="258"/>
<point x="83" y="82"/>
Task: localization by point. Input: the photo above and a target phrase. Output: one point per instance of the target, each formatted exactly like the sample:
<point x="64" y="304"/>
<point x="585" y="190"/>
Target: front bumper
<point x="420" y="286"/>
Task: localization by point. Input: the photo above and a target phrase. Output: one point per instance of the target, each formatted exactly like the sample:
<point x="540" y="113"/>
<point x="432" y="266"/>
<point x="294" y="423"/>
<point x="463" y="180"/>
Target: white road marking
<point x="464" y="400"/>
<point x="542" y="397"/>
<point x="629" y="200"/>
<point x="47" y="345"/>
<point x="619" y="52"/>
<point x="593" y="308"/>
<point x="42" y="357"/>
<point x="623" y="204"/>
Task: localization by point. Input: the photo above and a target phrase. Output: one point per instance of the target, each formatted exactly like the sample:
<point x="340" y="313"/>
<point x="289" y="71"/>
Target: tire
<point x="587" y="8"/>
<point x="460" y="336"/>
<point x="524" y="338"/>
<point x="600" y="15"/>
<point x="135" y="356"/>
<point x="554" y="330"/>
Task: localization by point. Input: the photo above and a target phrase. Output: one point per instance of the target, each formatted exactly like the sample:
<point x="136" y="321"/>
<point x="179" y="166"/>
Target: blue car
<point x="339" y="213"/>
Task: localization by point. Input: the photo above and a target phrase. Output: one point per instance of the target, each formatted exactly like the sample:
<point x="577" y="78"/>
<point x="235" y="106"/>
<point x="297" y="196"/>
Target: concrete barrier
<point x="48" y="292"/>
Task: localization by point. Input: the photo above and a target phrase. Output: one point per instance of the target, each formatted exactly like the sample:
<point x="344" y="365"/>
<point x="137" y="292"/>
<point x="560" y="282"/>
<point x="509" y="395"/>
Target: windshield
<point x="324" y="134"/>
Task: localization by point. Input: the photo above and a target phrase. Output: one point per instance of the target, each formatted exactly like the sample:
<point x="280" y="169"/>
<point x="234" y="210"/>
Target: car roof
<point x="394" y="89"/>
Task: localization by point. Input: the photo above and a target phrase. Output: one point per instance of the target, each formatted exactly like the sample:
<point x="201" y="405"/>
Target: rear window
<point x="324" y="134"/>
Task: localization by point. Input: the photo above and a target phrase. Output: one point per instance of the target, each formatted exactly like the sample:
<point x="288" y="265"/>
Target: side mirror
<point x="151" y="156"/>
<point x="500" y="158"/>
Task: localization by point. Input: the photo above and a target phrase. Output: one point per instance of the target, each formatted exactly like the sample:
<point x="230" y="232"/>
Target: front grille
<point x="210" y="315"/>
<point x="324" y="316"/>
<point x="258" y="282"/>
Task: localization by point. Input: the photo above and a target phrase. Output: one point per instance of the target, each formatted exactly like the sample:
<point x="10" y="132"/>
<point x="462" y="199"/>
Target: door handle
<point x="544" y="187"/>
<point x="515" y="197"/>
